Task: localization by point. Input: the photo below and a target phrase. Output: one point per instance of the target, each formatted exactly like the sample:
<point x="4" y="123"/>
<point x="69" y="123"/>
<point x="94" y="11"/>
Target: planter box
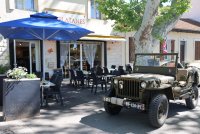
<point x="21" y="98"/>
<point x="2" y="76"/>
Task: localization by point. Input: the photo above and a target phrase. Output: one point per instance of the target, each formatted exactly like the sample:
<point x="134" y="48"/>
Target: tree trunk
<point x="143" y="38"/>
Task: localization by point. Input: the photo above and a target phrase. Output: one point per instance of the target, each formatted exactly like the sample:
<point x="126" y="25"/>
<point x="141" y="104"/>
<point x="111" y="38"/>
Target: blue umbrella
<point x="42" y="26"/>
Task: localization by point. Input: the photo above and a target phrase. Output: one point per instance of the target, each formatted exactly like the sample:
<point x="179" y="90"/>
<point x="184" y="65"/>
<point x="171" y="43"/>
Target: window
<point x="81" y="55"/>
<point x="95" y="13"/>
<point x="24" y="4"/>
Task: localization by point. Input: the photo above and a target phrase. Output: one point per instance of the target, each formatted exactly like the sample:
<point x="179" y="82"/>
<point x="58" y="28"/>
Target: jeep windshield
<point x="165" y="64"/>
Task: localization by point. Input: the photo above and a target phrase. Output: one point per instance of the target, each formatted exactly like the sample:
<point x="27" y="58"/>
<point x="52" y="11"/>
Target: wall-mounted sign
<point x="51" y="65"/>
<point x="77" y="21"/>
<point x="68" y="16"/>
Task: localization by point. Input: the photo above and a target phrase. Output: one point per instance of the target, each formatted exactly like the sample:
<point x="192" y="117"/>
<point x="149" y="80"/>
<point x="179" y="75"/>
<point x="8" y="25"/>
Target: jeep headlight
<point x="115" y="81"/>
<point x="143" y="85"/>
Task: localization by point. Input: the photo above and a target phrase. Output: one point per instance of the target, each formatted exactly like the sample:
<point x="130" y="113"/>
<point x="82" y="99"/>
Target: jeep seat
<point x="181" y="76"/>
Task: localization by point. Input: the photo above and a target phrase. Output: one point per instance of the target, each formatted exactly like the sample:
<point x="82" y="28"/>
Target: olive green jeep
<point x="155" y="80"/>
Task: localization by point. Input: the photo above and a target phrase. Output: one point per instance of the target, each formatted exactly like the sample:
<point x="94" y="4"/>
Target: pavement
<point x="83" y="113"/>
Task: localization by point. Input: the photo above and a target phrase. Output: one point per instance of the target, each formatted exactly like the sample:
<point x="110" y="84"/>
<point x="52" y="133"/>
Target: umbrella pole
<point x="15" y="61"/>
<point x="43" y="76"/>
<point x="43" y="32"/>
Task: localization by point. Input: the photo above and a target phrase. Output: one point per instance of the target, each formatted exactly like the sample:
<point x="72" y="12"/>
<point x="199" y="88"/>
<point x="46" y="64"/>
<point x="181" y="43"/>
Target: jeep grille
<point x="130" y="88"/>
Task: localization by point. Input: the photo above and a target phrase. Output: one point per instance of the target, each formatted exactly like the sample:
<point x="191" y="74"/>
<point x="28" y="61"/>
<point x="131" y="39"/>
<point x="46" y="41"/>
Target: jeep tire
<point x="111" y="109"/>
<point x="158" y="110"/>
<point x="192" y="101"/>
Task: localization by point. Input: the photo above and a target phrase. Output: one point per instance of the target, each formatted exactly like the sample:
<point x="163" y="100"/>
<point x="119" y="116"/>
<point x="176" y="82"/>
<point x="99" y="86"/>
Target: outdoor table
<point x="45" y="85"/>
<point x="111" y="70"/>
<point x="87" y="76"/>
<point x="107" y="77"/>
<point x="86" y="73"/>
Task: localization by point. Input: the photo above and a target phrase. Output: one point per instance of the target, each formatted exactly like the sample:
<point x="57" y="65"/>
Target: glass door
<point x="22" y="54"/>
<point x="75" y="56"/>
<point x="27" y="54"/>
<point x="35" y="62"/>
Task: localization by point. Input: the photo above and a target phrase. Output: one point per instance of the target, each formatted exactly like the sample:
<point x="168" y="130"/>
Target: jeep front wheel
<point x="158" y="110"/>
<point x="110" y="108"/>
<point x="192" y="101"/>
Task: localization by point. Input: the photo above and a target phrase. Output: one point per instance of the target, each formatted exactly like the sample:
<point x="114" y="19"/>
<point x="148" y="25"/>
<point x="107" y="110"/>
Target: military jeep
<point x="154" y="82"/>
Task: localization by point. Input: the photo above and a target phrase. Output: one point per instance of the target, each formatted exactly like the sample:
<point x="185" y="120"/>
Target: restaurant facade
<point x="104" y="47"/>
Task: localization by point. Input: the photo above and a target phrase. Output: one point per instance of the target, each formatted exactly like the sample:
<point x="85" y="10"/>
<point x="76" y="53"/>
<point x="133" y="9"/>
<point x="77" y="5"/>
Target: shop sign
<point x="78" y="19"/>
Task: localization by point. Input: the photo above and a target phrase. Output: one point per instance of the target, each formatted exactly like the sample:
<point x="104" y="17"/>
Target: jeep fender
<point x="150" y="93"/>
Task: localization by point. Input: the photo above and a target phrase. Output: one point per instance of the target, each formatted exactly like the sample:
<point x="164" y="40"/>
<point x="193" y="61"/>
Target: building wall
<point x="78" y="12"/>
<point x="114" y="54"/>
<point x="193" y="12"/>
<point x="50" y="56"/>
<point x="8" y="14"/>
<point x="190" y="39"/>
<point x="4" y="55"/>
<point x="72" y="11"/>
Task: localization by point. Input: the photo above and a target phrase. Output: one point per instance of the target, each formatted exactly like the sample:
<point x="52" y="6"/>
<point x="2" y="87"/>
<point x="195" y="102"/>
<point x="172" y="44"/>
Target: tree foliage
<point x="128" y="14"/>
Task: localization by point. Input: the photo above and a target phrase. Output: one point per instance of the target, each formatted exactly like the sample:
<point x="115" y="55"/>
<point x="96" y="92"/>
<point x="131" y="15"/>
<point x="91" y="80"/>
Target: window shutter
<point x="197" y="50"/>
<point x="172" y="46"/>
<point x="11" y="4"/>
<point x="131" y="49"/>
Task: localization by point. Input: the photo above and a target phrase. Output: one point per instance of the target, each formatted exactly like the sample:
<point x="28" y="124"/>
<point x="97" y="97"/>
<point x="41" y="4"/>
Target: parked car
<point x="151" y="86"/>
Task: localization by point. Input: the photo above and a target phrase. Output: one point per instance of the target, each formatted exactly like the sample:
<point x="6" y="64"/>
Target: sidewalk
<point x="83" y="113"/>
<point x="78" y="103"/>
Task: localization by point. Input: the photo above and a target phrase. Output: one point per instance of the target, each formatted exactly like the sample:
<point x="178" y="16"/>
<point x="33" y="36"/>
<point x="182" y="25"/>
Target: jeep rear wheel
<point x="158" y="110"/>
<point x="111" y="109"/>
<point x="192" y="101"/>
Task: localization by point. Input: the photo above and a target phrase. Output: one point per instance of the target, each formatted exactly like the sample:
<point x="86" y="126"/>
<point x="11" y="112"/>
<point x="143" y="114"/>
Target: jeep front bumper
<point x="125" y="103"/>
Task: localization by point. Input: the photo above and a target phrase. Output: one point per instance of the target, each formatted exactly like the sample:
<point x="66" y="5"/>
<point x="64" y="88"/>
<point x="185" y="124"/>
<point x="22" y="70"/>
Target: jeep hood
<point x="150" y="77"/>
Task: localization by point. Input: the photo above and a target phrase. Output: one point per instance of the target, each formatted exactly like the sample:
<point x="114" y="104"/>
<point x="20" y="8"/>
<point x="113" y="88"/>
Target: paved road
<point x="83" y="113"/>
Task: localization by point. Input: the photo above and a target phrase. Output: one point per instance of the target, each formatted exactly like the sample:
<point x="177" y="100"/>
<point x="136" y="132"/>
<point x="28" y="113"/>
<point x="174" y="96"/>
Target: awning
<point x="103" y="38"/>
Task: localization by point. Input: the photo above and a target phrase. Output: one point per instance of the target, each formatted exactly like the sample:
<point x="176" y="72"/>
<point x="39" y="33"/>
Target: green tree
<point x="151" y="19"/>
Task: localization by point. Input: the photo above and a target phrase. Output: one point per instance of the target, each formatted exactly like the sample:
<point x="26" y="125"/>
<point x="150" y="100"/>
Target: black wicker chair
<point x="129" y="68"/>
<point x="96" y="81"/>
<point x="72" y="77"/>
<point x="47" y="76"/>
<point x="80" y="78"/>
<point x="99" y="70"/>
<point x="106" y="72"/>
<point x="121" y="70"/>
<point x="55" y="91"/>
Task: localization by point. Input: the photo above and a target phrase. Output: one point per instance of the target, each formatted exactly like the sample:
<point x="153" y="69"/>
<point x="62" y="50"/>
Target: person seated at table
<point x="121" y="70"/>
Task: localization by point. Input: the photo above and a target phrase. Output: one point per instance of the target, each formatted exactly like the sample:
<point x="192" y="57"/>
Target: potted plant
<point x="3" y="70"/>
<point x="21" y="94"/>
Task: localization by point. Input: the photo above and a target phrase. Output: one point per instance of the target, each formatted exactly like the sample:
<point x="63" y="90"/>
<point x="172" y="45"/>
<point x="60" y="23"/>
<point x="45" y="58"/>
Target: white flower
<point x="17" y="73"/>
